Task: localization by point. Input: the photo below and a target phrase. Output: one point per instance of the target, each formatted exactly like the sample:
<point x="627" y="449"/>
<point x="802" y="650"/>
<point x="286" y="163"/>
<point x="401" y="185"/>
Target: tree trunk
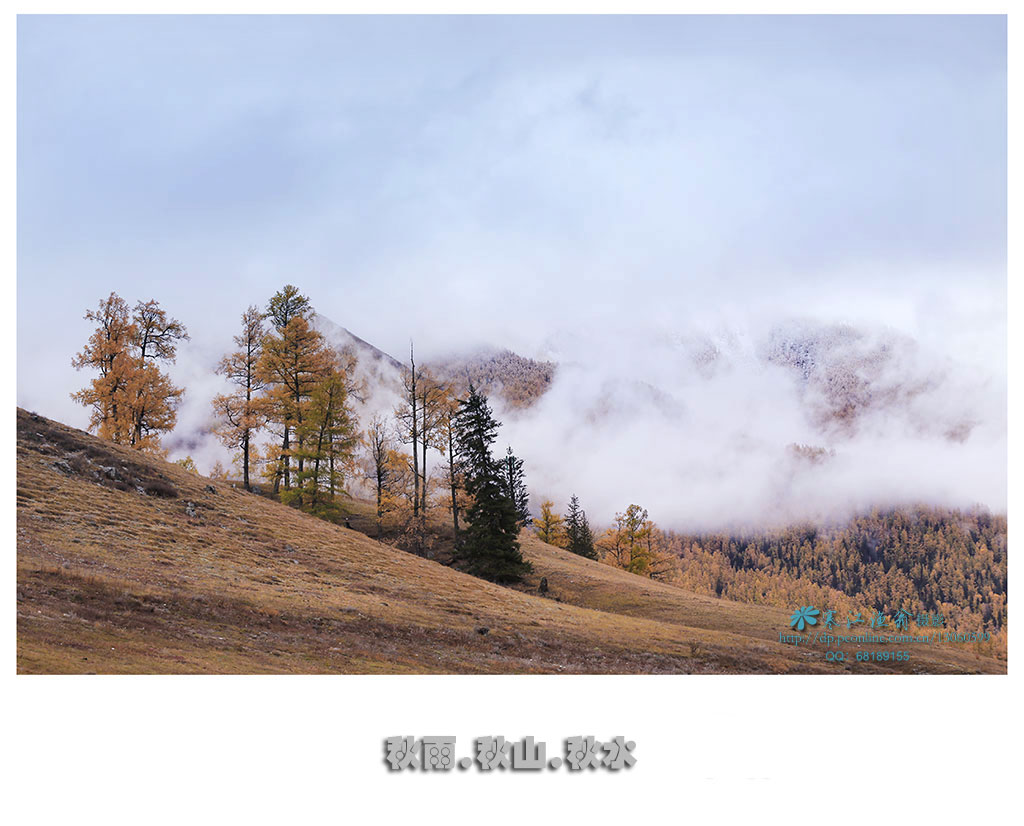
<point x="423" y="437"/>
<point x="285" y="447"/>
<point x="451" y="480"/>
<point x="248" y="411"/>
<point x="380" y="507"/>
<point x="245" y="459"/>
<point x="415" y="436"/>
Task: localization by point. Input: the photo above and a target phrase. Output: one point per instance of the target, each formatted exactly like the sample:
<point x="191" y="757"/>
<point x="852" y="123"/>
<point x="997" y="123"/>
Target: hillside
<point x="128" y="564"/>
<point x="516" y="380"/>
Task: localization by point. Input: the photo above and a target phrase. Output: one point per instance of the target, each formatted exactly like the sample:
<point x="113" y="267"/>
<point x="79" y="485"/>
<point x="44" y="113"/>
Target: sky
<point x="586" y="189"/>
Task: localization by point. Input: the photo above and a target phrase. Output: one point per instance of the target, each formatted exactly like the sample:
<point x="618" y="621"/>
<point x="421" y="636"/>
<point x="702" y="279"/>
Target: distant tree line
<point x="930" y="560"/>
<point x="919" y="559"/>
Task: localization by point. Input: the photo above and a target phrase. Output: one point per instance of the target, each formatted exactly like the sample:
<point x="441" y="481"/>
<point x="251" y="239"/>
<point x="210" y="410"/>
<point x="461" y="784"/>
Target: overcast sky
<point x="512" y="181"/>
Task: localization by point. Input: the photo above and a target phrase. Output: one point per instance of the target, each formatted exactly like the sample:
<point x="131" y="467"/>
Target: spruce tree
<point x="489" y="546"/>
<point x="577" y="531"/>
<point x="515" y="487"/>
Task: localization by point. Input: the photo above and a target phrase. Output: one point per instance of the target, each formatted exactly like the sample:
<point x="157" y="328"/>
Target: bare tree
<point x="407" y="415"/>
<point x="433" y="396"/>
<point x="380" y="467"/>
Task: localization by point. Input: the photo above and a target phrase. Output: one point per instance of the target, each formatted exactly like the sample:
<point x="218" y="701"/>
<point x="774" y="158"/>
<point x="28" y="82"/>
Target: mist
<point x="700" y="427"/>
<point x="742" y="418"/>
<point x="664" y="206"/>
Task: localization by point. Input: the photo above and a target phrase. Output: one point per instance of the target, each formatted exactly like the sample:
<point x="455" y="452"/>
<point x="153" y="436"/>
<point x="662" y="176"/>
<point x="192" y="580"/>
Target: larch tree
<point x="489" y="546"/>
<point x="107" y="351"/>
<point x="154" y="407"/>
<point x="286" y="304"/>
<point x="343" y="437"/>
<point x="629" y="540"/>
<point x="294" y="360"/>
<point x="549" y="524"/>
<point x="382" y="466"/>
<point x="154" y="401"/>
<point x="578" y="535"/>
<point x="132" y="400"/>
<point x="240" y="413"/>
<point x="325" y="438"/>
<point x="662" y="564"/>
<point x="157" y="336"/>
<point x="433" y="395"/>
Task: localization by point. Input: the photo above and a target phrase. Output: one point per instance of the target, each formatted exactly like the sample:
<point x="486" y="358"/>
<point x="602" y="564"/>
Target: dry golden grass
<point x="115" y="580"/>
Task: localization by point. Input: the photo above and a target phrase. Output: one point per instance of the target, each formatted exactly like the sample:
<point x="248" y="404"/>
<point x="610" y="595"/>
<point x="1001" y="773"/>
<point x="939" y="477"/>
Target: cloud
<point x="702" y="429"/>
<point x="605" y="191"/>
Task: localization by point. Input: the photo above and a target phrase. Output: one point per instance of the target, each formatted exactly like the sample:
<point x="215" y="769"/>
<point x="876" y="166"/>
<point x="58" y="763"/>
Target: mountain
<point x="846" y="375"/>
<point x="342" y="339"/>
<point x="379" y="373"/>
<point x="518" y="381"/>
<point x="515" y="380"/>
<point x="129" y="564"/>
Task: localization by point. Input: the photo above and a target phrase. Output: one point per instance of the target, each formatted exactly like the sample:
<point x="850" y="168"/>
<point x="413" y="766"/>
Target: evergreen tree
<point x="489" y="546"/>
<point x="453" y="469"/>
<point x="580" y="539"/>
<point x="515" y="487"/>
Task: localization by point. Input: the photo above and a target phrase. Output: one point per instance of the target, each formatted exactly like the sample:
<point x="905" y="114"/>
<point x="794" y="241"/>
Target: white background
<point x="912" y="750"/>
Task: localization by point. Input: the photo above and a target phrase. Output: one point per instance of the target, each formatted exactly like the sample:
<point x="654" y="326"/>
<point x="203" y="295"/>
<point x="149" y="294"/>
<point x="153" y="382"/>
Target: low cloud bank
<point x="739" y="420"/>
<point x="765" y="423"/>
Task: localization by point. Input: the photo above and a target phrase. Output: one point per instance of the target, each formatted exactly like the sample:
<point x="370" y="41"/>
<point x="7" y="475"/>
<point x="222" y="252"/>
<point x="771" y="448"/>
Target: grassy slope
<point x="116" y="581"/>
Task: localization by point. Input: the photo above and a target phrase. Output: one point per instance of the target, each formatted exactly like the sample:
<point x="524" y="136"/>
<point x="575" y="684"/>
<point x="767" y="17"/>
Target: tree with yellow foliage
<point x="325" y="439"/>
<point x="293" y="362"/>
<point x="635" y="544"/>
<point x="188" y="463"/>
<point x="408" y="417"/>
<point x="132" y="400"/>
<point x="434" y="396"/>
<point x="548" y="525"/>
<point x="385" y="467"/>
<point x="241" y="413"/>
<point x="627" y="540"/>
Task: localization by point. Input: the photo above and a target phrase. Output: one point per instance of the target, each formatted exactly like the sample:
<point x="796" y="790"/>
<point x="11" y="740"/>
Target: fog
<point x="643" y="416"/>
<point x="699" y="420"/>
<point x="613" y="194"/>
